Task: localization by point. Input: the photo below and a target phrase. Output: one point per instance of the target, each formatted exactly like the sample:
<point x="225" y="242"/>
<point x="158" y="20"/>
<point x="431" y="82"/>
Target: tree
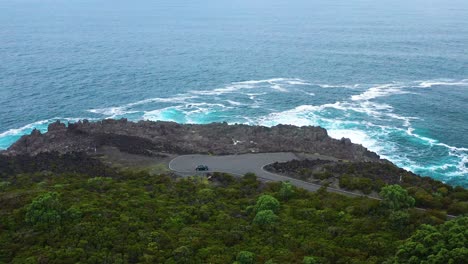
<point x="182" y="254"/>
<point x="265" y="218"/>
<point x="443" y="244"/>
<point x="309" y="260"/>
<point x="245" y="257"/>
<point x="267" y="202"/>
<point x="206" y="195"/>
<point x="394" y="197"/>
<point x="44" y="211"/>
<point x="398" y="219"/>
<point x="286" y="191"/>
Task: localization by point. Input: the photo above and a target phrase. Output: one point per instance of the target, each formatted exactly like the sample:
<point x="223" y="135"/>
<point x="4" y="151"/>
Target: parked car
<point x="202" y="168"/>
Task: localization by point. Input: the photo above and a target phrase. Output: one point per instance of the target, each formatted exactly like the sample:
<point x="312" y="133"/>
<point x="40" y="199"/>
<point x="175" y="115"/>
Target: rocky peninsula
<point x="150" y="138"/>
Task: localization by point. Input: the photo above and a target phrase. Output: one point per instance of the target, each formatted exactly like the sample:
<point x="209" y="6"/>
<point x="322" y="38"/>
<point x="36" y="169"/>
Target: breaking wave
<point x="7" y="138"/>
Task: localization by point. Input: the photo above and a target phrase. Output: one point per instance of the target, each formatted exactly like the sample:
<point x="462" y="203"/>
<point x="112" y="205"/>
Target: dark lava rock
<point x="148" y="138"/>
<point x="72" y="162"/>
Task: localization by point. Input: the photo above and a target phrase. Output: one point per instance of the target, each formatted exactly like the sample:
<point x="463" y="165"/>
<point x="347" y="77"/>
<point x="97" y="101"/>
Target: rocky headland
<point x="158" y="138"/>
<point x="105" y="147"/>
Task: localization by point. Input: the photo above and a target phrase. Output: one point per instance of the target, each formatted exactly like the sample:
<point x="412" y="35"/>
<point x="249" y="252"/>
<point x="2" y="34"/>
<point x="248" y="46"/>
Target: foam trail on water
<point x="112" y="112"/>
<point x="428" y="84"/>
<point x="277" y="84"/>
<point x="232" y="102"/>
<point x="379" y="91"/>
<point x="349" y="86"/>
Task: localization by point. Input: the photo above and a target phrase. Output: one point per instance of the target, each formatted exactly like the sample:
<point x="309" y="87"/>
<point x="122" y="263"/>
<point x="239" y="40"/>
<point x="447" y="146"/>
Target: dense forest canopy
<point x="133" y="216"/>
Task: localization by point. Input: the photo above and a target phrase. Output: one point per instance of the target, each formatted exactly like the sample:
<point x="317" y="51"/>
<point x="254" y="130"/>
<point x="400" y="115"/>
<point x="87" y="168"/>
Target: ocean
<point x="390" y="75"/>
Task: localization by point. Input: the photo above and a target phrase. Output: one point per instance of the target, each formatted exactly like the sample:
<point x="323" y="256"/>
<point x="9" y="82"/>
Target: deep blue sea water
<point x="391" y="75"/>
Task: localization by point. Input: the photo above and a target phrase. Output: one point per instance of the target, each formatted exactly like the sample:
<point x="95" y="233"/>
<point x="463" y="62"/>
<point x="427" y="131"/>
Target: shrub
<point x="267" y="202"/>
<point x="394" y="197"/>
<point x="182" y="254"/>
<point x="309" y="260"/>
<point x="323" y="175"/>
<point x="458" y="208"/>
<point x="4" y="185"/>
<point x="265" y="218"/>
<point x="443" y="244"/>
<point x="44" y="211"/>
<point x="286" y="191"/>
<point x="99" y="184"/>
<point x="245" y="257"/>
<point x="356" y="183"/>
<point x="250" y="177"/>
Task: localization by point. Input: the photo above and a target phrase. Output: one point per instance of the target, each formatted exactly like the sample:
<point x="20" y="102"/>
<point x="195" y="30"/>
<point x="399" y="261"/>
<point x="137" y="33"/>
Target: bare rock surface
<point x="156" y="138"/>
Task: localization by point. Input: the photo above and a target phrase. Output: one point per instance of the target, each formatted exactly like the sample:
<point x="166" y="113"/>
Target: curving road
<point x="239" y="165"/>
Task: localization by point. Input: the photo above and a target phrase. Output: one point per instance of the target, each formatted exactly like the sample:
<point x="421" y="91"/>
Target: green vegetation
<point x="369" y="177"/>
<point x="265" y="218"/>
<point x="138" y="217"/>
<point x="267" y="202"/>
<point x="245" y="257"/>
<point x="45" y="211"/>
<point x="356" y="183"/>
<point x="287" y="191"/>
<point x="446" y="243"/>
<point x="394" y="197"/>
<point x="309" y="260"/>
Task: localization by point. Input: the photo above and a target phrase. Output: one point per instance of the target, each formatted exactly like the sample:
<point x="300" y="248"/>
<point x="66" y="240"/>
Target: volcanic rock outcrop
<point x="153" y="138"/>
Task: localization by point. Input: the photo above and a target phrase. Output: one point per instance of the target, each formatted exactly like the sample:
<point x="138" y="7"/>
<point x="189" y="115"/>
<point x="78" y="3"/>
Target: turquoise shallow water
<point x="391" y="75"/>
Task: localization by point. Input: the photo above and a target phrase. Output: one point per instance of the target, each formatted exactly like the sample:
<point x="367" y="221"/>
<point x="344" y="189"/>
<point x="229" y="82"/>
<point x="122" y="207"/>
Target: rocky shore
<point x="158" y="138"/>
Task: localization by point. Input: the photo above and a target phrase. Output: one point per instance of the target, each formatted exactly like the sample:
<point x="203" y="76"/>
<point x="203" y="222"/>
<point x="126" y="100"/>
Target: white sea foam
<point x="452" y="148"/>
<point x="158" y="114"/>
<point x="252" y="96"/>
<point x="446" y="82"/>
<point x="203" y="104"/>
<point x="42" y="125"/>
<point x="112" y="112"/>
<point x="300" y="116"/>
<point x="22" y="130"/>
<point x="462" y="166"/>
<point x="349" y="86"/>
<point x="298" y="82"/>
<point x="188" y="113"/>
<point x="356" y="136"/>
<point x="180" y="98"/>
<point x="379" y="91"/>
<point x="430" y="141"/>
<point x="275" y="80"/>
<point x="228" y="89"/>
<point x="109" y="111"/>
<point x="235" y="87"/>
<point x="278" y="87"/>
<point x="234" y="102"/>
